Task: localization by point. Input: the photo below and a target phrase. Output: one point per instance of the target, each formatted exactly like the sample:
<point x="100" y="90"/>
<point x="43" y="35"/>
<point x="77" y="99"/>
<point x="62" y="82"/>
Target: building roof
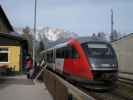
<point x="12" y="36"/>
<point x="5" y="19"/>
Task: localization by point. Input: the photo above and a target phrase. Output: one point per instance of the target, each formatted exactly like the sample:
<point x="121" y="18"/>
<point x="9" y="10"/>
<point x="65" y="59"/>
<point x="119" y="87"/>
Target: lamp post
<point x="34" y="39"/>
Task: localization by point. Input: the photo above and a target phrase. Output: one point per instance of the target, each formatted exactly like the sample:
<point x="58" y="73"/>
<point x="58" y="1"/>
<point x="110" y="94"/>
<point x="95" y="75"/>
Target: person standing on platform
<point x="29" y="66"/>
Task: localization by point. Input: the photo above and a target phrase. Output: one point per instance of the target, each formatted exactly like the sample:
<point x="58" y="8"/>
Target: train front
<point x="103" y="64"/>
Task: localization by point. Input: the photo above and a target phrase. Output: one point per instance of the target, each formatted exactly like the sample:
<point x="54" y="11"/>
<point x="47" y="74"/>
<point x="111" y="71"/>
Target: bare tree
<point x="102" y="36"/>
<point x="94" y="36"/>
<point x="27" y="35"/>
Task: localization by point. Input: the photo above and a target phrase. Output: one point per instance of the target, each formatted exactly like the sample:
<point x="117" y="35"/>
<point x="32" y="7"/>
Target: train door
<point x="50" y="59"/>
<point x="59" y="61"/>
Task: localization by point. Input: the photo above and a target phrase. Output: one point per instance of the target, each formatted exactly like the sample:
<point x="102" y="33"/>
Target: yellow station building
<point x="13" y="48"/>
<point x="12" y="51"/>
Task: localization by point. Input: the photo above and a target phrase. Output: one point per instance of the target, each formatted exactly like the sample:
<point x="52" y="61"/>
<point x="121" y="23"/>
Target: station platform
<point x="20" y="88"/>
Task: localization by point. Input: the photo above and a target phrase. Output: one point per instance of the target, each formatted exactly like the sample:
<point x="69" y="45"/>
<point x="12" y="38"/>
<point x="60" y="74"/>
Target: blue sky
<point x="81" y="16"/>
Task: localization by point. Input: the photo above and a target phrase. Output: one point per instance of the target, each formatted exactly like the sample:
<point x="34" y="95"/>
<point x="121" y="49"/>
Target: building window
<point x="3" y="55"/>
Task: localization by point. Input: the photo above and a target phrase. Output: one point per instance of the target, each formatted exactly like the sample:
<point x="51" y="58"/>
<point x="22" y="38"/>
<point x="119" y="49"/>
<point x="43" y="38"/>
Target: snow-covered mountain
<point x="54" y="34"/>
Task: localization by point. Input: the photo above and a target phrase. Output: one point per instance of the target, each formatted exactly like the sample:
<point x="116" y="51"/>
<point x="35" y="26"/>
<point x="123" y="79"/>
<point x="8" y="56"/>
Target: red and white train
<point x="92" y="63"/>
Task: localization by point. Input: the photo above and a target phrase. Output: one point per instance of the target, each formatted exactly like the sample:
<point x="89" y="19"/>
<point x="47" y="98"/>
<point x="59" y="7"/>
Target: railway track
<point x="109" y="95"/>
<point x="126" y="81"/>
<point x="121" y="92"/>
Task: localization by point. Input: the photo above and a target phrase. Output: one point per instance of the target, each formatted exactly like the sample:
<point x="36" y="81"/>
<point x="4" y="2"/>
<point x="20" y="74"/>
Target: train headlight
<point x="93" y="65"/>
<point x="114" y="65"/>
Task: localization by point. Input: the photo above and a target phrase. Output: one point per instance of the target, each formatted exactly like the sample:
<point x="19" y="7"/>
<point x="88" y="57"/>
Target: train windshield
<point x="98" y="50"/>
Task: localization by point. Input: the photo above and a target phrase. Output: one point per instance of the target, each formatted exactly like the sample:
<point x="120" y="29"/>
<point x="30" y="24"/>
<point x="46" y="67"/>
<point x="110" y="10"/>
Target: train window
<point x="66" y="52"/>
<point x="74" y="53"/>
<point x="98" y="50"/>
<point x="50" y="56"/>
<point x="60" y="53"/>
<point x="63" y="52"/>
<point x="3" y="54"/>
<point x="70" y="52"/>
